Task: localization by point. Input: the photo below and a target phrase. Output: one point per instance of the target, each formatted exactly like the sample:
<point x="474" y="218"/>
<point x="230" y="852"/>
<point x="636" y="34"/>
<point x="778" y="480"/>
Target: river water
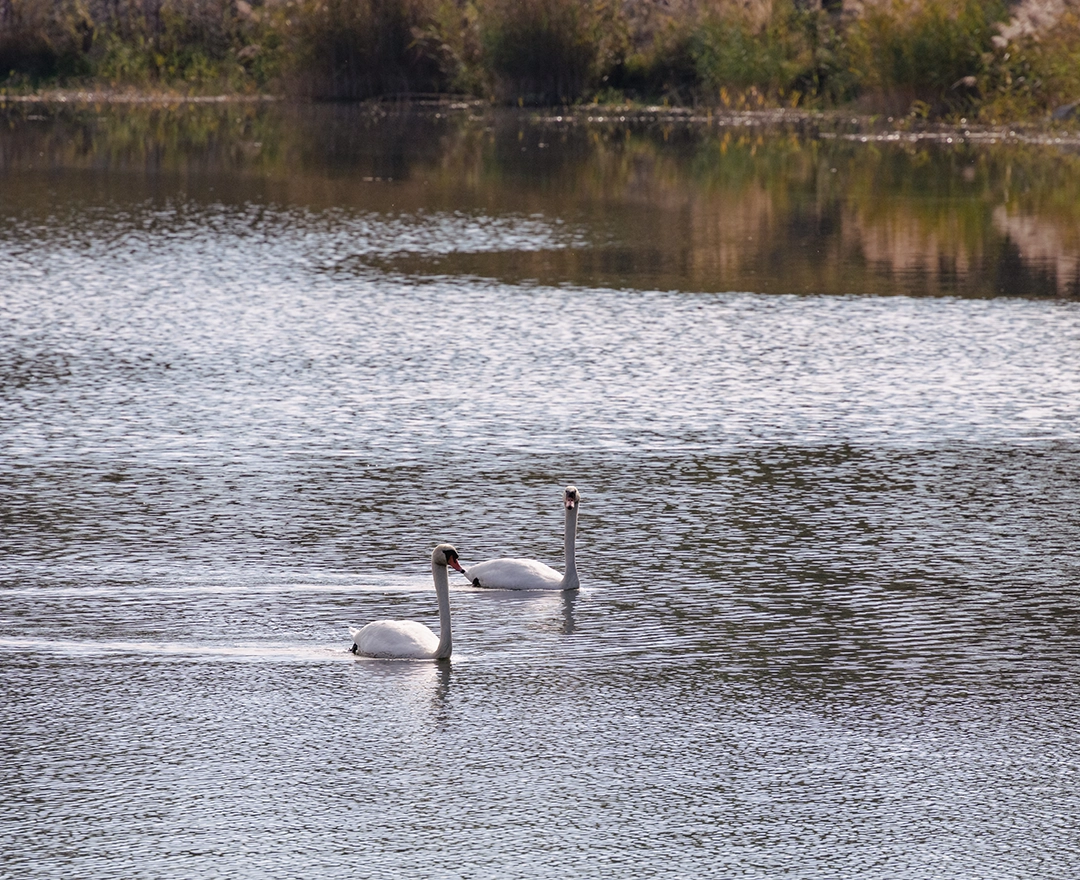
<point x="821" y="396"/>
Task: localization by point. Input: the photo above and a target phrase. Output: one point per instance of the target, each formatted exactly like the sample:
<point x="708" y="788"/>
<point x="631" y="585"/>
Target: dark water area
<point x="776" y="205"/>
<point x="821" y="396"/>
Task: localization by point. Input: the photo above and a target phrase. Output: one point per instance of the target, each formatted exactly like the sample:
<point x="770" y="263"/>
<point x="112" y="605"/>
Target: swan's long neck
<point x="442" y="590"/>
<point x="570" y="578"/>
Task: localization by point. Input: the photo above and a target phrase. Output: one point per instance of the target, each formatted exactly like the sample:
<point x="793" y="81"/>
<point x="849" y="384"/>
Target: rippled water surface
<point x="828" y="624"/>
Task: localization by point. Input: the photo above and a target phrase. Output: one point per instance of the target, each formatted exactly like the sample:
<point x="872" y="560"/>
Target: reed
<point x="1034" y="72"/>
<point x="212" y="44"/>
<point x="924" y="57"/>
<point x="549" y="51"/>
<point x="925" y="54"/>
<point x="355" y="49"/>
<point x="43" y="40"/>
<point x="660" y="64"/>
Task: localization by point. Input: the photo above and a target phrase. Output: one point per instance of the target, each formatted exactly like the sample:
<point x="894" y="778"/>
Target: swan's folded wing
<point x="515" y="574"/>
<point x="396" y="638"/>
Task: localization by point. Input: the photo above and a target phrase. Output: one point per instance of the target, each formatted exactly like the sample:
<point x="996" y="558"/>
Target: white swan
<point x="407" y="639"/>
<point x="528" y="574"/>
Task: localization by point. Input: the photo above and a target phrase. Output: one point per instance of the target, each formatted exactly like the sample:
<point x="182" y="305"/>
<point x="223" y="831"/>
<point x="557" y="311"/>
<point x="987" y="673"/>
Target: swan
<point x="407" y="639"/>
<point x="528" y="574"/>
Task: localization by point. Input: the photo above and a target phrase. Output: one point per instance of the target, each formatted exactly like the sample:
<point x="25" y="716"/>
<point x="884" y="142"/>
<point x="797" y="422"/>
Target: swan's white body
<point x="407" y="639"/>
<point x="528" y="574"/>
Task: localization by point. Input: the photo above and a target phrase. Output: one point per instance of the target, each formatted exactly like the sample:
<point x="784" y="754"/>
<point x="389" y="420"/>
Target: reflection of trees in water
<point x="647" y="202"/>
<point x="1045" y="243"/>
<point x="569" y="597"/>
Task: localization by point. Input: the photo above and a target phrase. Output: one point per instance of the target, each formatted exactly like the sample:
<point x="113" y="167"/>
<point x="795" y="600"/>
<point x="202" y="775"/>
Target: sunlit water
<point x="828" y="624"/>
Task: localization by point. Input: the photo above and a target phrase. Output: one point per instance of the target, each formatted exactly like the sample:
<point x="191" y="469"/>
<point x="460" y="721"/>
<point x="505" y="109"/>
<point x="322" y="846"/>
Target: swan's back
<point x="405" y="639"/>
<point x="514" y="574"/>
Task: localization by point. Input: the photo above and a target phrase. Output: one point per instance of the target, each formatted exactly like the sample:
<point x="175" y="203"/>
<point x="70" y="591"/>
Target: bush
<point x="928" y="53"/>
<point x="729" y="52"/>
<point x="354" y="49"/>
<point x="450" y="39"/>
<point x="796" y="55"/>
<point x="198" y="43"/>
<point x="930" y="56"/>
<point x="663" y="66"/>
<point x="1031" y="75"/>
<point x="44" y="40"/>
<point x="549" y="51"/>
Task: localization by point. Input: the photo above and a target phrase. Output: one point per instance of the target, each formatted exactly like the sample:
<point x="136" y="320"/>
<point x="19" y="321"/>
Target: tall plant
<point x="928" y="53"/>
<point x="1033" y="73"/>
<point x="44" y="39"/>
<point x="197" y="43"/>
<point x="791" y="54"/>
<point x="353" y="49"/>
<point x="549" y="51"/>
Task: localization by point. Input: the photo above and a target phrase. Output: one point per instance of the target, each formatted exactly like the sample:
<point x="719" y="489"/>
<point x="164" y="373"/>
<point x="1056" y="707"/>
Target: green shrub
<point x="824" y="73"/>
<point x="929" y="53"/>
<point x="1030" y="77"/>
<point x="662" y="67"/>
<point x="549" y="51"/>
<point x="1056" y="67"/>
<point x="196" y="43"/>
<point x="44" y="40"/>
<point x="354" y="49"/>
<point x="122" y="60"/>
<point x="797" y="55"/>
<point x="927" y="56"/>
<point x="449" y="38"/>
<point x="729" y="52"/>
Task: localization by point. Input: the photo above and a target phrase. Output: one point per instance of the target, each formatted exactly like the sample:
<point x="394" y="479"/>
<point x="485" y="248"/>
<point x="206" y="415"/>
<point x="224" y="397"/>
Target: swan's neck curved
<point x="570" y="578"/>
<point x="442" y="590"/>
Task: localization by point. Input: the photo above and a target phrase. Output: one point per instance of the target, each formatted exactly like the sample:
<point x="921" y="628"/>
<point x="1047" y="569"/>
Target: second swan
<point x="528" y="574"/>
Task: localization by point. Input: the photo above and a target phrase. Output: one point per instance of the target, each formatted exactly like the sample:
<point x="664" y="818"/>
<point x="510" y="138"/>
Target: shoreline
<point x="837" y="124"/>
<point x="76" y="97"/>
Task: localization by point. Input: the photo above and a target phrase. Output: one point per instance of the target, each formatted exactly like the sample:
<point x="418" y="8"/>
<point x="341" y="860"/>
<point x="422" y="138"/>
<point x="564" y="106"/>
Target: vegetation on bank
<point x="982" y="59"/>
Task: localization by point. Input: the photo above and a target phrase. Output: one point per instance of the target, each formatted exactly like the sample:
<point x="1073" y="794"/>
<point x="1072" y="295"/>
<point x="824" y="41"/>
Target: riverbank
<point x="841" y="124"/>
<point x="923" y="59"/>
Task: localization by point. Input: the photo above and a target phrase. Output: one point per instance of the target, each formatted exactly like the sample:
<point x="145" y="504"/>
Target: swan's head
<point x="445" y="554"/>
<point x="571" y="498"/>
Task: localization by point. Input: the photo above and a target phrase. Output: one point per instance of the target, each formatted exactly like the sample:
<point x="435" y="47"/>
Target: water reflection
<point x="414" y="688"/>
<point x="644" y="202"/>
<point x="829" y="558"/>
<point x="441" y="695"/>
<point x="569" y="598"/>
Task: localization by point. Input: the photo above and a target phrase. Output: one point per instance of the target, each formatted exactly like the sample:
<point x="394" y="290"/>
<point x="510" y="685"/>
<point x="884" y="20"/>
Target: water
<point x="828" y="624"/>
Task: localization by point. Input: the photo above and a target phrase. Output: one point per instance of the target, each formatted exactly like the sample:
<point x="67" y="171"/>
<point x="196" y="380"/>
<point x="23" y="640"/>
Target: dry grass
<point x="924" y="57"/>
